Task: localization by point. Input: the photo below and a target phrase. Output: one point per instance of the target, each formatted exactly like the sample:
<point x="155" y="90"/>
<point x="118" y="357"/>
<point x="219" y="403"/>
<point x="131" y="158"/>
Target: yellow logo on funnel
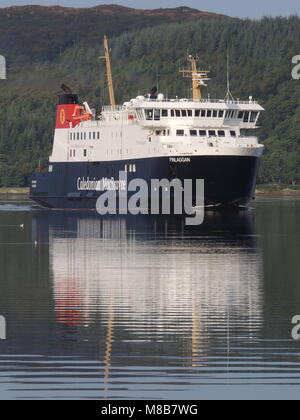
<point x="62" y="116"/>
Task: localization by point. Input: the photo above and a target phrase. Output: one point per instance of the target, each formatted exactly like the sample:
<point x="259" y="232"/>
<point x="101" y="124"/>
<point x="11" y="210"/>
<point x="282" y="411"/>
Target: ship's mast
<point x="229" y="97"/>
<point x="199" y="77"/>
<point x="109" y="72"/>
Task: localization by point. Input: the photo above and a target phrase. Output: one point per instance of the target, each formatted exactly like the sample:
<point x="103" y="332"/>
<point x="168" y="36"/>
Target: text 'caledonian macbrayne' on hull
<point x="148" y="138"/>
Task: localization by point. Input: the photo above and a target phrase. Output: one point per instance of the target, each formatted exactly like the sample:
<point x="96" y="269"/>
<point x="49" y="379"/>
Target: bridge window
<point x="212" y="133"/>
<point x="157" y="114"/>
<point x="233" y="133"/>
<point x="179" y="132"/>
<point x="208" y="113"/>
<point x="221" y="114"/>
<point x="246" y="116"/>
<point x="193" y="133"/>
<point x="230" y="113"/>
<point x="203" y="113"/>
<point x="221" y="133"/>
<point x="184" y="113"/>
<point x="202" y="133"/>
<point x="241" y="115"/>
<point x="215" y="113"/>
<point x="164" y="112"/>
<point x="149" y="114"/>
<point x="253" y="116"/>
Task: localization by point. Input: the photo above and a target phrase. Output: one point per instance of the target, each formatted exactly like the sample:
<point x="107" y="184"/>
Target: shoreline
<point x="14" y="191"/>
<point x="276" y="190"/>
<point x="277" y="195"/>
<point x="261" y="191"/>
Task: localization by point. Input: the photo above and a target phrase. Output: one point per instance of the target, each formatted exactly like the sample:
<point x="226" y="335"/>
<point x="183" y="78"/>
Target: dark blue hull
<point x="228" y="180"/>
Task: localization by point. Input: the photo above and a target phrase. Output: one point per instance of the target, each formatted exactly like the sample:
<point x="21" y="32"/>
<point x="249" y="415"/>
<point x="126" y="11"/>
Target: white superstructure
<point x="147" y="127"/>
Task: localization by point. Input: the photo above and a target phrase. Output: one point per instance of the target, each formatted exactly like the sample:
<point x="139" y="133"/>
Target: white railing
<point x="138" y="104"/>
<point x="111" y="108"/>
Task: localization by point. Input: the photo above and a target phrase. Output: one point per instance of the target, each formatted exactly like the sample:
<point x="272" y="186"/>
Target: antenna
<point x="229" y="97"/>
<point x="228" y="73"/>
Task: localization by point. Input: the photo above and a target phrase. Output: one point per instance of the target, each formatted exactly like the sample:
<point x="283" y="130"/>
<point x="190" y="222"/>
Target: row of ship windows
<point x="157" y="114"/>
<point x="206" y="133"/>
<point x="73" y="153"/>
<point x="85" y="136"/>
<point x="127" y="168"/>
<point x="130" y="168"/>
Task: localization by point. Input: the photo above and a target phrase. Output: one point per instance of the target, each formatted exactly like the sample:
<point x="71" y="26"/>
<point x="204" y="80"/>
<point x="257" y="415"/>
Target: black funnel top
<point x="68" y="99"/>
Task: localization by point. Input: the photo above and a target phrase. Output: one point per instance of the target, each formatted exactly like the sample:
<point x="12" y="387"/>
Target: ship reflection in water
<point x="144" y="307"/>
<point x="168" y="301"/>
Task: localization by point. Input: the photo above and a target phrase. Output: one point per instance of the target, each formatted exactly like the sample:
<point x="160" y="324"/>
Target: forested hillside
<point x="146" y="46"/>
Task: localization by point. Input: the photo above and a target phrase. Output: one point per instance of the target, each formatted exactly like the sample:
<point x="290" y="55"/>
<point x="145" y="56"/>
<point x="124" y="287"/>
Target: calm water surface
<point x="142" y="307"/>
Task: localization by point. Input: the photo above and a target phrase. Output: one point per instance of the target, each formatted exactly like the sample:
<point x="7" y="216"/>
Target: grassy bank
<point x="277" y="189"/>
<point x="14" y="191"/>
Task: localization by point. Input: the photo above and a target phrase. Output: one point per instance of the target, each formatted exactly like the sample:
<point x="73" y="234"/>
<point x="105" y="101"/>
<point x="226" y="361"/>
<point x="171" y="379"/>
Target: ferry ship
<point x="151" y="137"/>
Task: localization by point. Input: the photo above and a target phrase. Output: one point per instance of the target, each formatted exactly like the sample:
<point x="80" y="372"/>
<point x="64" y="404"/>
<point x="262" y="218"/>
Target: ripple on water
<point x="19" y="206"/>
